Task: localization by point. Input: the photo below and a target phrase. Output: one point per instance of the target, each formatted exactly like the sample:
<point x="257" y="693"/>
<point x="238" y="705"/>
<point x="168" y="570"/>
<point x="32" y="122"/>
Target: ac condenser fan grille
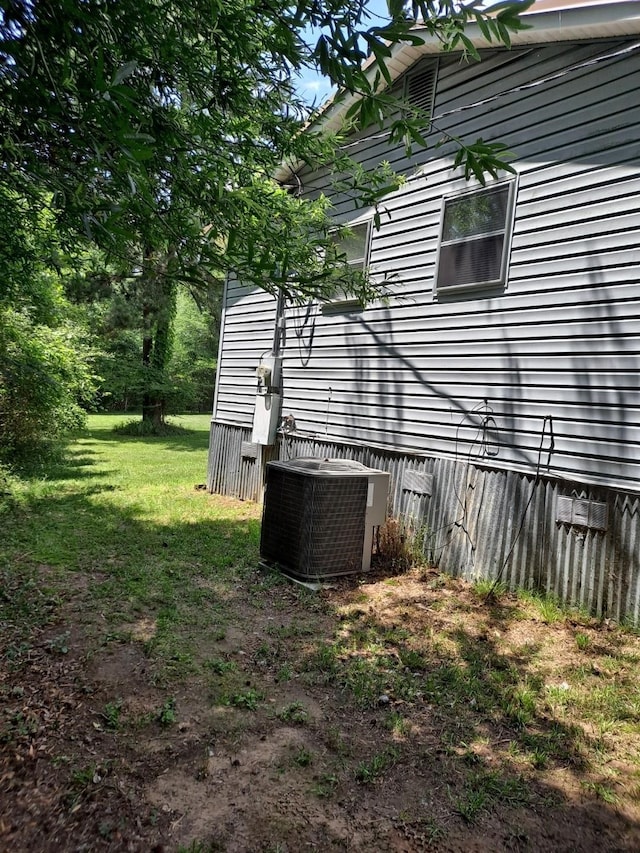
<point x="314" y="526"/>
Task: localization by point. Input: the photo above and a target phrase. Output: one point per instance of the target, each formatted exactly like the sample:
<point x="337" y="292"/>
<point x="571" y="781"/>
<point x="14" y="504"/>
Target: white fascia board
<point x="596" y="19"/>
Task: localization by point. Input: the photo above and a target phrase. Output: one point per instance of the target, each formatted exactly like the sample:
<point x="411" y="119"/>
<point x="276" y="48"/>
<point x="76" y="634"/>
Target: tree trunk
<point x="157" y="313"/>
<point x="153" y="405"/>
<point x="150" y="406"/>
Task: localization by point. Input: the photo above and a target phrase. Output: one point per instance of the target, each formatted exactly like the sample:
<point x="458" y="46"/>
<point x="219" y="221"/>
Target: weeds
<point x="285" y="673"/>
<point x="325" y="785"/>
<point x="400" y="545"/>
<point x="24" y="601"/>
<point x="558" y="696"/>
<point x="368" y="771"/>
<point x="19" y="725"/>
<point x="59" y="645"/>
<point x="602" y="792"/>
<point x="521" y="705"/>
<point x="112" y="714"/>
<point x="428" y="828"/>
<point x="397" y="724"/>
<point x="294" y="713"/>
<point x="583" y="641"/>
<point x="287" y="632"/>
<point x="547" y="607"/>
<point x="413" y="660"/>
<point x="167" y="713"/>
<point x="485" y="790"/>
<point x="248" y="700"/>
<point x="335" y="741"/>
<point x="82" y="782"/>
<point x="485" y="587"/>
<point x="220" y="666"/>
<point x="201" y="847"/>
<point x="302" y="757"/>
<point x="539" y="758"/>
<point x="325" y="662"/>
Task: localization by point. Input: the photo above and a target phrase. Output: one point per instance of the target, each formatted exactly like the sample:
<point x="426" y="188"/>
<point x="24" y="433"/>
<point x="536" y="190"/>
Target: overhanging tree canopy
<point x="153" y="128"/>
<point x="155" y="125"/>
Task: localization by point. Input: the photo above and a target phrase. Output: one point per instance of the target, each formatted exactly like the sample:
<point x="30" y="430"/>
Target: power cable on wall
<point x="536" y="479"/>
<point x="460" y="522"/>
<point x="480" y="439"/>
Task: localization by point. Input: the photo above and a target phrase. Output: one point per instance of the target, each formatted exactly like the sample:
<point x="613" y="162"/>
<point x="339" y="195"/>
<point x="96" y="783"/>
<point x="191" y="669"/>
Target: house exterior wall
<point x="538" y="380"/>
<point x="247" y="331"/>
<point x="477" y="522"/>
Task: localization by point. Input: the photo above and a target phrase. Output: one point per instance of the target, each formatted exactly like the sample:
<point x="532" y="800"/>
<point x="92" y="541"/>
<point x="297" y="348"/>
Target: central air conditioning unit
<point x="319" y="516"/>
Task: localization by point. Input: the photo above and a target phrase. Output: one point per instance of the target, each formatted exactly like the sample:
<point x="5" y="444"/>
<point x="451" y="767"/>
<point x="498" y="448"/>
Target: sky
<point x="313" y="87"/>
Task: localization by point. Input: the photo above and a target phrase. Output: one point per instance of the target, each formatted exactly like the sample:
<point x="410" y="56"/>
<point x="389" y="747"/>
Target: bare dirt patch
<point x="394" y="714"/>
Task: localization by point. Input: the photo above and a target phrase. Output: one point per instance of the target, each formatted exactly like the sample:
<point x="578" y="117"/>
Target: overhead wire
<point x="539" y="81"/>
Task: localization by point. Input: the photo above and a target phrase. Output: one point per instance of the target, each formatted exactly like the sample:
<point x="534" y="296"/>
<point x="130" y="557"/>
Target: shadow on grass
<point x="84" y="542"/>
<point x="467" y="724"/>
<point x="192" y="436"/>
<point x="497" y="736"/>
<point x="198" y="440"/>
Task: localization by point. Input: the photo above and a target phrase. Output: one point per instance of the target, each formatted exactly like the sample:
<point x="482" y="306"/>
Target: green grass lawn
<point x="123" y="516"/>
<point x="412" y="697"/>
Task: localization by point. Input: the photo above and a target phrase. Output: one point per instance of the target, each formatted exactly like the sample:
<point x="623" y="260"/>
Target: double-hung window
<point x="475" y="237"/>
<point x="355" y="245"/>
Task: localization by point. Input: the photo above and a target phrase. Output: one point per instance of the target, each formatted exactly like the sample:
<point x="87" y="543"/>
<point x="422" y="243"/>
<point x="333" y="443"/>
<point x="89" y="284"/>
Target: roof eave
<point x="565" y="23"/>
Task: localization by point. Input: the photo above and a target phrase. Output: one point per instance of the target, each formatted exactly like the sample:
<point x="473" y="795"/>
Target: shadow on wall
<point x="559" y="413"/>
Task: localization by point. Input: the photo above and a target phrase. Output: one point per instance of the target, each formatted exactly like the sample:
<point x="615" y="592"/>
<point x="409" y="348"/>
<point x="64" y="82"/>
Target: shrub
<point x="44" y="377"/>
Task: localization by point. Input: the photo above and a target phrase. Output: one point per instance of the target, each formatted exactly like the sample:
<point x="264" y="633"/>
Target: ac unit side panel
<point x="286" y="504"/>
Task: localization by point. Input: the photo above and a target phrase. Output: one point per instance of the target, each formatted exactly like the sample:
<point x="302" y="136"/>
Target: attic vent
<point x="421" y="88"/>
<point x="580" y="512"/>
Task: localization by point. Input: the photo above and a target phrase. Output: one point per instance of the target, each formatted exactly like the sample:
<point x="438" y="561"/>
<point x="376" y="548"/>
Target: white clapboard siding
<point x="559" y="345"/>
<point x="246" y="333"/>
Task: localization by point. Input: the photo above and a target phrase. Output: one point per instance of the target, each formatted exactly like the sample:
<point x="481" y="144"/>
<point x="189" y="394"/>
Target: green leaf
<point x="376" y="46"/>
<point x="483" y="26"/>
<point x="395" y="7"/>
<point x="469" y="48"/>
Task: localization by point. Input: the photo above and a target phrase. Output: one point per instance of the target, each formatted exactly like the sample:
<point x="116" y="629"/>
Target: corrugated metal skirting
<point x="476" y="521"/>
<point x="235" y="465"/>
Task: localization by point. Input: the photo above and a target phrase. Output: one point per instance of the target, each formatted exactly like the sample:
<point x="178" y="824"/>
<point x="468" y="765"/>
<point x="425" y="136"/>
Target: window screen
<point x="474" y="238"/>
<point x="355" y="245"/>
